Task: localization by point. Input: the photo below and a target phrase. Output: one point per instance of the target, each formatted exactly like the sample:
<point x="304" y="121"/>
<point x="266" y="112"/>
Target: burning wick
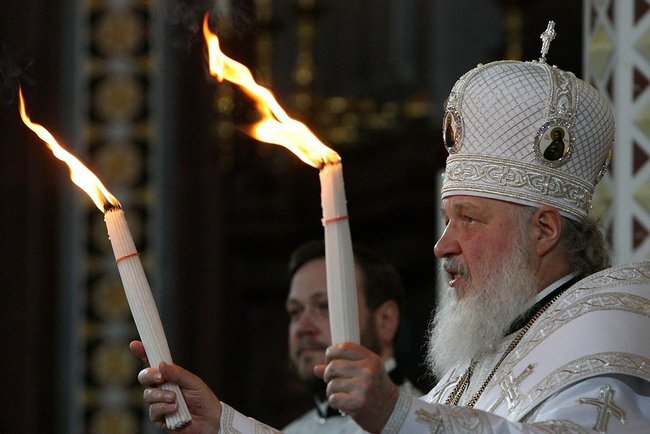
<point x="279" y="128"/>
<point x="136" y="287"/>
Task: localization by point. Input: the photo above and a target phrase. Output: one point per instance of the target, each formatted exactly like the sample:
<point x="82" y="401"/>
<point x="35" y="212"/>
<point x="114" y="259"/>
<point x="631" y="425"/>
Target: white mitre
<point x="529" y="133"/>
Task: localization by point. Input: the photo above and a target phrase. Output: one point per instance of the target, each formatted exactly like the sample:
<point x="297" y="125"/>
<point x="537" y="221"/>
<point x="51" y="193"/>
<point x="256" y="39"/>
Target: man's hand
<point x="204" y="406"/>
<point x="357" y="384"/>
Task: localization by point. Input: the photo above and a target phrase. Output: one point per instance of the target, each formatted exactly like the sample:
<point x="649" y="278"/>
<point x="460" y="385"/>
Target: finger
<point x="329" y="373"/>
<point x="347" y="350"/>
<point x="182" y="377"/>
<point x="343" y="396"/>
<point x="154" y="395"/>
<point x="339" y="385"/>
<point x="137" y="348"/>
<point x="158" y="411"/>
<point x="150" y="377"/>
<point x="343" y="402"/>
<point x="343" y="368"/>
<point x="319" y="370"/>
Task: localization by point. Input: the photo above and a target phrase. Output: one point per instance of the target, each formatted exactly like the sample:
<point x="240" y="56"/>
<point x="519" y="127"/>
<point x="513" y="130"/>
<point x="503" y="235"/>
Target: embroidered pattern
<point x="606" y="408"/>
<point x="432" y="420"/>
<point x="558" y="426"/>
<point x="452" y="420"/>
<point x="521" y="180"/>
<point x="227" y="423"/>
<point x="565" y="312"/>
<point x="441" y="391"/>
<point x="401" y="411"/>
<point x="227" y="417"/>
<point x="618" y="276"/>
<point x="264" y="429"/>
<point x="510" y="387"/>
<point x="585" y="367"/>
<point x="563" y="104"/>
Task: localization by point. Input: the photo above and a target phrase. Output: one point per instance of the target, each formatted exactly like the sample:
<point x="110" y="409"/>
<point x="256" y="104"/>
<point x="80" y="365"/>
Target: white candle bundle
<point x="278" y="127"/>
<point x="143" y="306"/>
<point x="339" y="259"/>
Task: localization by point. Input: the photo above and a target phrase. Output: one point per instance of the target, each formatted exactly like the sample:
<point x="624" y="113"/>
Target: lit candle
<point x="279" y="128"/>
<point x="138" y="293"/>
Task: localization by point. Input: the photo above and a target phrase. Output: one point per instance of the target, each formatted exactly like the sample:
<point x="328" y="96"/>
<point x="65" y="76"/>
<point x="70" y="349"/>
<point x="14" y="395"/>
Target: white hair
<point x="465" y="329"/>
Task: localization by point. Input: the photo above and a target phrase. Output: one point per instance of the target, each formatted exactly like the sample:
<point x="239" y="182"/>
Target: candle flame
<point x="276" y="126"/>
<point x="79" y="173"/>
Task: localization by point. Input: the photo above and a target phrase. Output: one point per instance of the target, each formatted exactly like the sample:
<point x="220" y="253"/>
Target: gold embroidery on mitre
<point x="519" y="180"/>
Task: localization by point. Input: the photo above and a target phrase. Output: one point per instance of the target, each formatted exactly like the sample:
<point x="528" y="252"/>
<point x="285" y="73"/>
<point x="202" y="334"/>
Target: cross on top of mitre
<point x="547" y="37"/>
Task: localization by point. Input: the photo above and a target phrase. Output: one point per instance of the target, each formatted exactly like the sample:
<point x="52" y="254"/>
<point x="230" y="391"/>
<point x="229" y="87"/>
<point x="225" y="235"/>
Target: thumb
<point x="182" y="377"/>
<point x="319" y="370"/>
<point x="137" y="348"/>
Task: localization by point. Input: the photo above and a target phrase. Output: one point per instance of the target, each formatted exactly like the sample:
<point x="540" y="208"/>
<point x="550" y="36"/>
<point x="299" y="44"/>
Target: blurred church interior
<point x="215" y="214"/>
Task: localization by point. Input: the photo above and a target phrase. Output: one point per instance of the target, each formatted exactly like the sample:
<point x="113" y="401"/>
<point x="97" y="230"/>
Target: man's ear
<point x="547" y="222"/>
<point x="386" y="318"/>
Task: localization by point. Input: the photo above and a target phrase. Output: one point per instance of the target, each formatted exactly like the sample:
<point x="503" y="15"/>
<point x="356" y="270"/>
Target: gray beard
<point x="462" y="330"/>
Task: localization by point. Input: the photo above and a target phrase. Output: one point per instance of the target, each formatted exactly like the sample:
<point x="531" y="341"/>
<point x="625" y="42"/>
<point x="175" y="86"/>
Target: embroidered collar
<point x="540" y="300"/>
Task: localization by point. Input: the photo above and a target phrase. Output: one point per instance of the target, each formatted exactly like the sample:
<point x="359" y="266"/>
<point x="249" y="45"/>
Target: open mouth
<point x="454" y="277"/>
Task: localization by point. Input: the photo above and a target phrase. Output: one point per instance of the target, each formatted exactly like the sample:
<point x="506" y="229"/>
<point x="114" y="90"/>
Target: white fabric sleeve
<point x="598" y="404"/>
<point x="233" y="422"/>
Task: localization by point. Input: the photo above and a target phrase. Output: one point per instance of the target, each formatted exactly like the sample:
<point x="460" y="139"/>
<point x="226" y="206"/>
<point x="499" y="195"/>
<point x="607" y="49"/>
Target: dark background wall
<point x="381" y="71"/>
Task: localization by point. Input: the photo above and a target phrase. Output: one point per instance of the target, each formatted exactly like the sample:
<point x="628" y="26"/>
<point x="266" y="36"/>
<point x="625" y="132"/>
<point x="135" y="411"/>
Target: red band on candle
<point x="130" y="255"/>
<point x="334" y="219"/>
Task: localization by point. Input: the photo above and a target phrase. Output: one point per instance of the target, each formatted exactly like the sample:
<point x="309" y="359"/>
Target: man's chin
<point x="311" y="357"/>
<point x="305" y="362"/>
<point x="305" y="372"/>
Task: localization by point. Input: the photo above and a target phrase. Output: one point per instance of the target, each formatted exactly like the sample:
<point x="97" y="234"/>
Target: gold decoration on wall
<point x="117" y="134"/>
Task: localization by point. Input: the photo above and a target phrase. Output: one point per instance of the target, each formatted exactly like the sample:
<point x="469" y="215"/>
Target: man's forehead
<point x="466" y="201"/>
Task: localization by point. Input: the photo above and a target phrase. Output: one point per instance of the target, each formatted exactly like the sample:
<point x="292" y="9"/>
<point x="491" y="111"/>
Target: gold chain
<point x="463" y="383"/>
<point x="455" y="395"/>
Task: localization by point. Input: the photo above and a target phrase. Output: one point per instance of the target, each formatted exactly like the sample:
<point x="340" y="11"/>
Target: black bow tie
<point x="329" y="412"/>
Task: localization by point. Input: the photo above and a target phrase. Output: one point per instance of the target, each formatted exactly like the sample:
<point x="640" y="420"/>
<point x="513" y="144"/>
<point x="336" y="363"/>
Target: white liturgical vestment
<point x="581" y="366"/>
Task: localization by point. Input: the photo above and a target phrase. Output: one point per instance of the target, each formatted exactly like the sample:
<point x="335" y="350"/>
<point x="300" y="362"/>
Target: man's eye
<point x="293" y="314"/>
<point x="468" y="219"/>
<point x="324" y="307"/>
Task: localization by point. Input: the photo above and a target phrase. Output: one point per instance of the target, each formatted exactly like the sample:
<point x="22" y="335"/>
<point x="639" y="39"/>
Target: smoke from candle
<point x="238" y="16"/>
<point x="12" y="74"/>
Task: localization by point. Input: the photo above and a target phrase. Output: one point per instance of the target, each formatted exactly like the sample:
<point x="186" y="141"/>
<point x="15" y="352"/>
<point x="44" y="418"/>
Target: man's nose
<point x="447" y="243"/>
<point x="306" y="324"/>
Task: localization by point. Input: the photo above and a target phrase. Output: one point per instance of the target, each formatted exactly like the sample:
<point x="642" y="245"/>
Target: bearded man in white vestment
<point x="535" y="333"/>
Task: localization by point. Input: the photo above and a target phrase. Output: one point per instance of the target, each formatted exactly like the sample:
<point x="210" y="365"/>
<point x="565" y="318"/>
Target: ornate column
<point x="113" y="94"/>
<point x="616" y="61"/>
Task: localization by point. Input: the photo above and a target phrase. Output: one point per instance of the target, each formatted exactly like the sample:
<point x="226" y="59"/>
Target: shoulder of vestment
<point x="598" y="326"/>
